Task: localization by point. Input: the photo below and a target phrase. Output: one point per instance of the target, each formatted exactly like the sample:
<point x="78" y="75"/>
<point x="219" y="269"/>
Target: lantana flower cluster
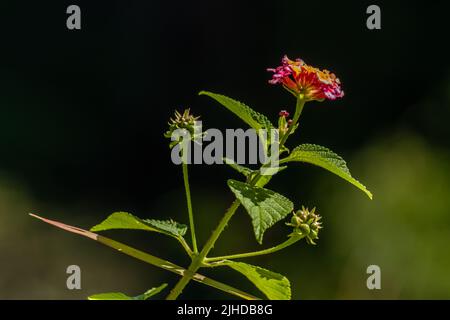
<point x="301" y="79"/>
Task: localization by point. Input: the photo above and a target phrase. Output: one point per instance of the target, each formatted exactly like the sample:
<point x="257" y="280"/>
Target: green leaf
<point x="327" y="159"/>
<point x="264" y="206"/>
<point x="125" y="220"/>
<point x="274" y="285"/>
<point x="122" y="296"/>
<point x="169" y="227"/>
<point x="254" y="119"/>
<point x="241" y="169"/>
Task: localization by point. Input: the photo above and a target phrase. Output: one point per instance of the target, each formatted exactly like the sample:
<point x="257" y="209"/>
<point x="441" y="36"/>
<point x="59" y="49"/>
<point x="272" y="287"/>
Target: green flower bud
<point x="295" y="221"/>
<point x="185" y="121"/>
<point x="306" y="223"/>
<point x="304" y="228"/>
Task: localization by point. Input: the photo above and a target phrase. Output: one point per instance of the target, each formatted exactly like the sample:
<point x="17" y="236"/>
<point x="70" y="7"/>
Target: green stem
<point x="167" y="265"/>
<point x="298" y="111"/>
<point x="189" y="205"/>
<point x="287" y="243"/>
<point x="185" y="246"/>
<point x="198" y="260"/>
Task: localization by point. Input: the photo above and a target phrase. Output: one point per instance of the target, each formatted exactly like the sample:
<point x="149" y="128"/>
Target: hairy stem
<point x="185" y="246"/>
<point x="189" y="205"/>
<point x="197" y="261"/>
<point x="298" y="111"/>
<point x="287" y="243"/>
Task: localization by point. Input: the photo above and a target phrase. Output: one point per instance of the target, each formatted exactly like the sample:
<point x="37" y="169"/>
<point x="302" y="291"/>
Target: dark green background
<point x="82" y="114"/>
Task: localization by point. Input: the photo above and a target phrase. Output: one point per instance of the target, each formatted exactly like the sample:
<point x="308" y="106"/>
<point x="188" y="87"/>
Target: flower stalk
<point x="298" y="111"/>
<point x="189" y="205"/>
<point x="292" y="239"/>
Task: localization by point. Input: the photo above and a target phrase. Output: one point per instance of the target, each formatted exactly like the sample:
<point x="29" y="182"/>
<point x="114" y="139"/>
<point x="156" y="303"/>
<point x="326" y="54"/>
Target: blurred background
<point x="82" y="117"/>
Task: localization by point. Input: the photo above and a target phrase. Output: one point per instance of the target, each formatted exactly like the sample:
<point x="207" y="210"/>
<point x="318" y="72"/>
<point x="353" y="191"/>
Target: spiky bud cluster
<point x="306" y="223"/>
<point x="183" y="121"/>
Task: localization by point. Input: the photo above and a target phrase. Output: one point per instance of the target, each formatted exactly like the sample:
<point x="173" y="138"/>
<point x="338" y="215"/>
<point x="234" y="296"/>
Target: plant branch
<point x="198" y="261"/>
<point x="148" y="258"/>
<point x="185" y="246"/>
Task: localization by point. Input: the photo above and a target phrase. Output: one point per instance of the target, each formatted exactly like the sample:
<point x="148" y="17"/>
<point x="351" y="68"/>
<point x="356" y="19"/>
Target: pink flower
<point x="299" y="78"/>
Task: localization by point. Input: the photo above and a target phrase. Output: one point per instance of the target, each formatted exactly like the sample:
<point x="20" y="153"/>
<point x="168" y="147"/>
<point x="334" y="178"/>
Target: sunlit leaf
<point x="274" y="285"/>
<point x="254" y="119"/>
<point x="327" y="159"/>
<point x="125" y="220"/>
<point x="264" y="206"/>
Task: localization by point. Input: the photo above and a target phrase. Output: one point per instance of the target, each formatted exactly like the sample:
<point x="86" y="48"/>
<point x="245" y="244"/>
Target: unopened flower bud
<point x="306" y="223"/>
<point x="283" y="126"/>
<point x="183" y="121"/>
<point x="284" y="114"/>
<point x="295" y="220"/>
